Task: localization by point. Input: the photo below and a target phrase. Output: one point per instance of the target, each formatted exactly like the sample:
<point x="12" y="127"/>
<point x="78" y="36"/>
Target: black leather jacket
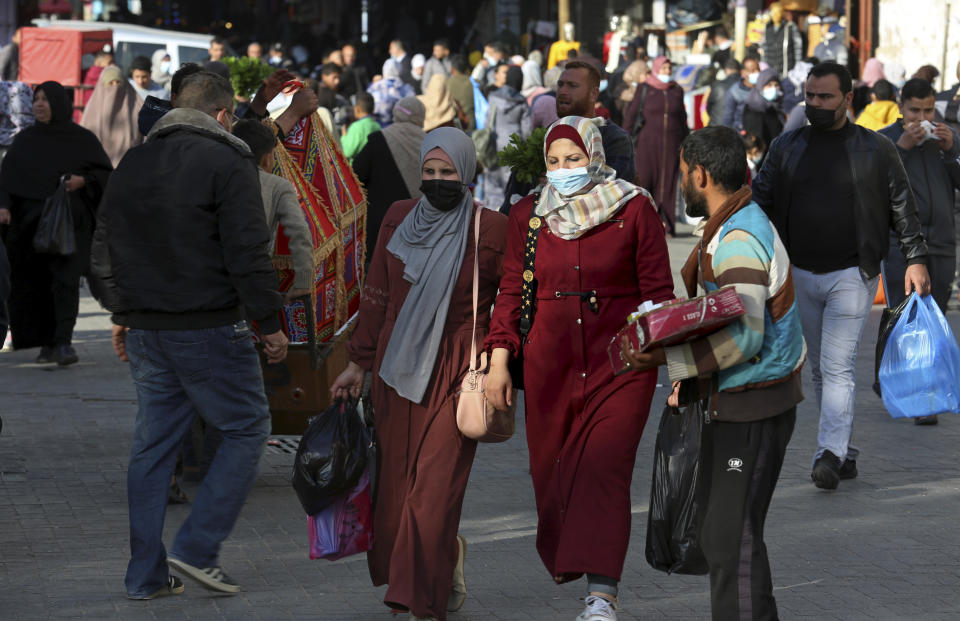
<point x="883" y="195"/>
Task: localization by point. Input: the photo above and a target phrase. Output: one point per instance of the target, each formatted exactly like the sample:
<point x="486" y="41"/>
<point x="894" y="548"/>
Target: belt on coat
<point x="591" y="298"/>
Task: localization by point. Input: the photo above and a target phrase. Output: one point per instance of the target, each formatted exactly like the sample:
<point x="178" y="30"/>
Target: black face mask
<point x="442" y="193"/>
<point x="821" y="118"/>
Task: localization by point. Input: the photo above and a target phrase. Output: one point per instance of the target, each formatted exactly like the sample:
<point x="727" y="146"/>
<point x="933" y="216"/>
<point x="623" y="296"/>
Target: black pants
<point x="746" y="464"/>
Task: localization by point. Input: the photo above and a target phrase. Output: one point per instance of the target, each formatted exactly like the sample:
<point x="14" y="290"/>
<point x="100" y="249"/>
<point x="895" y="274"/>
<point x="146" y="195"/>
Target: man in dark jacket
<point x="577" y="92"/>
<point x="716" y="100"/>
<point x="736" y="96"/>
<point x="929" y="161"/>
<point x="834" y="190"/>
<point x="182" y="250"/>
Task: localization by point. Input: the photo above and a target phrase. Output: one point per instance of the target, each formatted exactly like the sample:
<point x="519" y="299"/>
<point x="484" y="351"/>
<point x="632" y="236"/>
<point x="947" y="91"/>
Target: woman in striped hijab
<point x="599" y="253"/>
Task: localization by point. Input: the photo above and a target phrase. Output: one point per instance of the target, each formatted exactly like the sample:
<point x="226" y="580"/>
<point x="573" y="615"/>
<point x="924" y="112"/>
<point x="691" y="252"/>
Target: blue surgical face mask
<point x="603" y="85"/>
<point x="770" y="93"/>
<point x="664" y="78"/>
<point x="164" y="66"/>
<point x="568" y="181"/>
<point x="753" y="77"/>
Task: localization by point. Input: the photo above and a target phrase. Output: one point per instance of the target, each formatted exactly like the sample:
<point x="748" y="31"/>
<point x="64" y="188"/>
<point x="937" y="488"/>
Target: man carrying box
<point x="753" y="367"/>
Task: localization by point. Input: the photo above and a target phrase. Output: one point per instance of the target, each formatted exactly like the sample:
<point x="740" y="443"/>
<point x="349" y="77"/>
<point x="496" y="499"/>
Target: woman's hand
<point x="75" y="182"/>
<point x="498" y="387"/>
<point x="5" y="215"/>
<point x="350" y="382"/>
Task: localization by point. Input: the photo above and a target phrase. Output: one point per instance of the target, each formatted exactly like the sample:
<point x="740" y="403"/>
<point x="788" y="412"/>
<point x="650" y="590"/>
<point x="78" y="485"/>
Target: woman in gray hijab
<point x="413" y="333"/>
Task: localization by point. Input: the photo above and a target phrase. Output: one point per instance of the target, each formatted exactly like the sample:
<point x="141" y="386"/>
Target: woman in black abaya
<point x="45" y="288"/>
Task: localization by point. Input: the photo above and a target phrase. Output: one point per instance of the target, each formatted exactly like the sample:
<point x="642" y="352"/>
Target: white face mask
<point x="753" y="77"/>
<point x="664" y="78"/>
<point x="770" y="93"/>
<point x="165" y="66"/>
<point x="603" y="85"/>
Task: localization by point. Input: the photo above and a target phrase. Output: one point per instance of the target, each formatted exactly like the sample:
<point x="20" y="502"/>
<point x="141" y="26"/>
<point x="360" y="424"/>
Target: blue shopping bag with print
<point x="920" y="368"/>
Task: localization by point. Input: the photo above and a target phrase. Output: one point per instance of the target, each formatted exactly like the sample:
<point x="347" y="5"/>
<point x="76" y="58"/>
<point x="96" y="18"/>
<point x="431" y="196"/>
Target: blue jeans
<point x="178" y="374"/>
<point x="833" y="310"/>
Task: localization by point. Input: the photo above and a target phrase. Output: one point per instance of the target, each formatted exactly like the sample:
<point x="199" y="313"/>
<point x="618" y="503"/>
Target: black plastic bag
<point x="333" y="454"/>
<point x="888" y="319"/>
<point x="678" y="497"/>
<point x="55" y="230"/>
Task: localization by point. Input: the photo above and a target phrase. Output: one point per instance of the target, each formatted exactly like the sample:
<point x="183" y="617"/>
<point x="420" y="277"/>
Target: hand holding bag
<point x="476" y="417"/>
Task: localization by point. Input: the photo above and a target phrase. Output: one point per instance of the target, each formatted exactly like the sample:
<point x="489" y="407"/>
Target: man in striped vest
<point x="749" y="371"/>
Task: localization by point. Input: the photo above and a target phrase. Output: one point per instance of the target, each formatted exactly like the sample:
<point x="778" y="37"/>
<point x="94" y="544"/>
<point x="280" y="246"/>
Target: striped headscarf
<point x="569" y="217"/>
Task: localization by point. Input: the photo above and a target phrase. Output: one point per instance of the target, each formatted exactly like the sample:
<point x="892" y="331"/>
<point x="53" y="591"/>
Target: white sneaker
<point x="598" y="609"/>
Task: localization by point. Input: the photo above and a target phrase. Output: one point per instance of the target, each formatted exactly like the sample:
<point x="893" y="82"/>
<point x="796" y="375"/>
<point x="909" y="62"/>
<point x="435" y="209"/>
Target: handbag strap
<point x="528" y="289"/>
<point x="476" y="286"/>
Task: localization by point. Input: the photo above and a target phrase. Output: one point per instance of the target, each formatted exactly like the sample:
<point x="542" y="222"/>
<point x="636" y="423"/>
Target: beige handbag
<point x="476" y="417"/>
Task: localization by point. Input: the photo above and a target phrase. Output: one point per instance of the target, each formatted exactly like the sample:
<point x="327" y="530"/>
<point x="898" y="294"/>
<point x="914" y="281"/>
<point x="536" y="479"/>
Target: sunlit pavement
<point x="883" y="546"/>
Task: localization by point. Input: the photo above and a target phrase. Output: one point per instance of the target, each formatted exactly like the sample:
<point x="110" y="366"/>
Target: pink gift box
<point x="677" y="322"/>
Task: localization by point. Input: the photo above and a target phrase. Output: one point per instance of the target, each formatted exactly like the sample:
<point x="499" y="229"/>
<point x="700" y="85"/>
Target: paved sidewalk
<point x="884" y="546"/>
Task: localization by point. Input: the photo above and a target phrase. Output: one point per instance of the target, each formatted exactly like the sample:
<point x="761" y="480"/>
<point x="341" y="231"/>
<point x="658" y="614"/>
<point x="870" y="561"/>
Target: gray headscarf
<point x="431" y="244"/>
<point x="404" y="137"/>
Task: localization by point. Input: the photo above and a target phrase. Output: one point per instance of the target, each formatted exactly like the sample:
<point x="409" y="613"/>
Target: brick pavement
<point x="884" y="546"/>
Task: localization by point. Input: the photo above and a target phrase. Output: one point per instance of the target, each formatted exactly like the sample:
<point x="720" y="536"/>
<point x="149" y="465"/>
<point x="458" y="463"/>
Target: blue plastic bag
<point x="920" y="369"/>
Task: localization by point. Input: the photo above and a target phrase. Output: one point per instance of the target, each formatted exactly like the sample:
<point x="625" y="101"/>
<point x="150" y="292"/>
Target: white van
<point x="130" y="41"/>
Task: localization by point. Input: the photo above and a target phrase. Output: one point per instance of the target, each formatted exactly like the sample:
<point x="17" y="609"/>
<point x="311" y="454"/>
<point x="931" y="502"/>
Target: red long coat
<point x="424" y="459"/>
<point x="658" y="145"/>
<point x="583" y="424"/>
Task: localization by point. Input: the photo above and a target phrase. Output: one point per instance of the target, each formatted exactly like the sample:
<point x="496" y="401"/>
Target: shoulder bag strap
<point x="529" y="285"/>
<point x="476" y="286"/>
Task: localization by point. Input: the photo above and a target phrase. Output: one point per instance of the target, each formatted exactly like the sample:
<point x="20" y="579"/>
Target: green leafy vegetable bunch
<point x="525" y="157"/>
<point x="246" y="75"/>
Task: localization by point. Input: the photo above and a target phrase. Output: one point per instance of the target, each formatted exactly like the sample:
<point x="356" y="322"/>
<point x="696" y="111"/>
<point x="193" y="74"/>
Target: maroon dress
<point x="583" y="424"/>
<point x="658" y="145"/>
<point x="424" y="459"/>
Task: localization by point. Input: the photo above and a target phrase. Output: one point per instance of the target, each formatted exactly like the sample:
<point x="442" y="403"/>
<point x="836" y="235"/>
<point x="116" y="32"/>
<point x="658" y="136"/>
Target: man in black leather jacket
<point x="834" y="191"/>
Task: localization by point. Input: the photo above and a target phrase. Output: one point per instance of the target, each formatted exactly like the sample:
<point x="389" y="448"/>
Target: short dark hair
<point x="592" y="71"/>
<point x="884" y="91"/>
<point x="460" y="63"/>
<point x="181" y="74"/>
<point x="821" y="70"/>
<point x="326" y="98"/>
<point x="365" y="102"/>
<point x="721" y="152"/>
<point x="498" y="47"/>
<point x="141" y="63"/>
<point x="399" y="43"/>
<point x="257" y="136"/>
<point x="927" y="72"/>
<point x="916" y="88"/>
<point x="329" y="68"/>
<point x="752" y="141"/>
<point x="732" y="64"/>
<point x="206" y="92"/>
<point x="752" y="57"/>
<point x="218" y="41"/>
<point x="442" y="42"/>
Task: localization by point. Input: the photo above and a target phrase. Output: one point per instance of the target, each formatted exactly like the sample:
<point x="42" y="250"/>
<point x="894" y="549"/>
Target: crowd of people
<point x="807" y="187"/>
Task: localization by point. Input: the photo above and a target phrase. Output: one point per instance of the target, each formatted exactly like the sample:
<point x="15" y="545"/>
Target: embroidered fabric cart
<point x="318" y="325"/>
